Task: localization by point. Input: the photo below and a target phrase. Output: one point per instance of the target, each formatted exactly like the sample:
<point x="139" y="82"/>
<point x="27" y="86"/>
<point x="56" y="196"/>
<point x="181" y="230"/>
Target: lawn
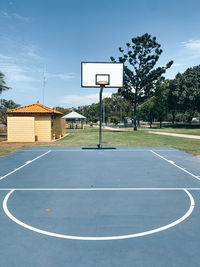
<point x="89" y="137"/>
<point x="8" y="150"/>
<point x="192" y="131"/>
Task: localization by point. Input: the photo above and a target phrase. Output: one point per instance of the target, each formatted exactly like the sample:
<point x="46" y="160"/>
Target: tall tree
<point x="147" y="110"/>
<point x="4" y="106"/>
<point x="189" y="92"/>
<point x="172" y="92"/>
<point x="3" y="86"/>
<point x="140" y="74"/>
<point x="160" y="103"/>
<point x="91" y="112"/>
<point x="115" y="106"/>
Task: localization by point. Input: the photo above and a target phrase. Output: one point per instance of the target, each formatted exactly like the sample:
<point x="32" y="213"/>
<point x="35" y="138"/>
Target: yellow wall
<point x="63" y="126"/>
<point x="58" y="129"/>
<point x="31" y="129"/>
<point x="21" y="129"/>
<point x="43" y="128"/>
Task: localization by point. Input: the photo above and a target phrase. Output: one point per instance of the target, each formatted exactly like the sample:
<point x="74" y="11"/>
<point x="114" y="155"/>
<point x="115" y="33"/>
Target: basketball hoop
<point x="103" y="75"/>
<point x="102" y="83"/>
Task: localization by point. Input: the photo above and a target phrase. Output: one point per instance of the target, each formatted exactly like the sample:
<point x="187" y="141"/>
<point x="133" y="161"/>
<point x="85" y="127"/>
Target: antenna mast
<point x="44" y="83"/>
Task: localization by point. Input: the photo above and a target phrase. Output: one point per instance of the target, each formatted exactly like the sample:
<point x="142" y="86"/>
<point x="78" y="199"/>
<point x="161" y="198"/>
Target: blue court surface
<point x="130" y="206"/>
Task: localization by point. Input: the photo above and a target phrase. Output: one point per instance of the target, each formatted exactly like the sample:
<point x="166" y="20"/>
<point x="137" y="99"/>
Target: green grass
<point x="173" y="130"/>
<point x="193" y="129"/>
<point x="89" y="137"/>
<point x="8" y="150"/>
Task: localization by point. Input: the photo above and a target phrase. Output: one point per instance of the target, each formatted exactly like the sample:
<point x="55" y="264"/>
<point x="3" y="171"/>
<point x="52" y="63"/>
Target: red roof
<point x="33" y="109"/>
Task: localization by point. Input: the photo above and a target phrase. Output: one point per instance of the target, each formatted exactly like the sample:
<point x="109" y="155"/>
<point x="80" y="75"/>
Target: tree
<point x="115" y="105"/>
<point x="183" y="94"/>
<point x="189" y="92"/>
<point x="140" y="76"/>
<point x="3" y="86"/>
<point x="63" y="110"/>
<point x="160" y="103"/>
<point x="114" y="119"/>
<point x="147" y="112"/>
<point x="172" y="92"/>
<point x="91" y="112"/>
<point x="4" y="106"/>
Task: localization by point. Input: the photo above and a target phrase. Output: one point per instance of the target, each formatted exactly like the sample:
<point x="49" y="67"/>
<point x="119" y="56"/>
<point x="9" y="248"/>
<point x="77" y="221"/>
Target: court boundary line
<point x="22" y="166"/>
<point x="92" y="150"/>
<point x="174" y="164"/>
<point x="149" y="232"/>
<point x="106" y="189"/>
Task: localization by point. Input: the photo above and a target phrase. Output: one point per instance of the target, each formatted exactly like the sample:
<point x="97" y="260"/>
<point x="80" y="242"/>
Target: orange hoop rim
<point x="102" y="83"/>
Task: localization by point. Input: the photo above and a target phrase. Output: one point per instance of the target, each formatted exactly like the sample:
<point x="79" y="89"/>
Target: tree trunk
<point x="135" y="113"/>
<point x="160" y="124"/>
<point x="135" y="123"/>
<point x="173" y="116"/>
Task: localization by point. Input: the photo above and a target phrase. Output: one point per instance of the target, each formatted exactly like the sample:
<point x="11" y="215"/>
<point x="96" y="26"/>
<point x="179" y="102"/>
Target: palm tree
<point x="3" y="86"/>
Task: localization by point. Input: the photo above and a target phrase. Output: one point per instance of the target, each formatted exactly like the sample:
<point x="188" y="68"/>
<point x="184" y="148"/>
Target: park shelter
<point x="74" y="117"/>
<point x="34" y="122"/>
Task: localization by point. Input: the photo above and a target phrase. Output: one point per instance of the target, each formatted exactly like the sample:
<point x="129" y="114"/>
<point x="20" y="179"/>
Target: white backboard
<point x="91" y="71"/>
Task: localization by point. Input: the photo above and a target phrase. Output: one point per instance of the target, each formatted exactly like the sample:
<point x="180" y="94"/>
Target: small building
<point x="74" y="117"/>
<point x="34" y="122"/>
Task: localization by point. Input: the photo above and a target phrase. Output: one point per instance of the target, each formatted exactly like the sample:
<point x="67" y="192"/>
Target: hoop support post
<point x="100" y="115"/>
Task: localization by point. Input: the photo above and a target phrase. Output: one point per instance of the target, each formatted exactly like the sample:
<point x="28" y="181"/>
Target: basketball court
<point x="133" y="206"/>
<point x="123" y="206"/>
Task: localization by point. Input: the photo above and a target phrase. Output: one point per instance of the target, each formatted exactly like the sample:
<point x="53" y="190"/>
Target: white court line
<point x="104" y="189"/>
<point x="92" y="150"/>
<point x="89" y="238"/>
<point x="171" y="162"/>
<point x="28" y="162"/>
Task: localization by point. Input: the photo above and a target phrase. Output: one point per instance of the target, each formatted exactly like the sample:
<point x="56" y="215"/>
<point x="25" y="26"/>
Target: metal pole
<point x="44" y="83"/>
<point x="100" y="116"/>
<point x="103" y="113"/>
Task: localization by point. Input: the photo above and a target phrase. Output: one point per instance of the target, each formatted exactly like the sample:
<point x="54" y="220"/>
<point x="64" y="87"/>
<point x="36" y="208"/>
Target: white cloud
<point x="12" y="71"/>
<point x="192" y="45"/>
<point x="61" y="76"/>
<point x="81" y="100"/>
<point x="4" y="14"/>
<point x="16" y="69"/>
<point x="26" y="66"/>
<point x="19" y="17"/>
<point x="176" y="65"/>
<point x="15" y="73"/>
<point x="19" y="77"/>
<point x="191" y="49"/>
<point x="14" y="16"/>
<point x="31" y="52"/>
<point x="4" y="58"/>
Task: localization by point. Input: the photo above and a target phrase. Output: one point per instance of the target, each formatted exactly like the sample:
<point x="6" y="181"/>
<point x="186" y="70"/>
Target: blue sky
<point x="60" y="34"/>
